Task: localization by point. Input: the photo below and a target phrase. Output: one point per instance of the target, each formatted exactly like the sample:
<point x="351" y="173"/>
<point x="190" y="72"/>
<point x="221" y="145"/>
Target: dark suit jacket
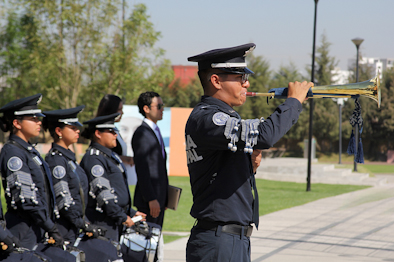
<point x="150" y="167"/>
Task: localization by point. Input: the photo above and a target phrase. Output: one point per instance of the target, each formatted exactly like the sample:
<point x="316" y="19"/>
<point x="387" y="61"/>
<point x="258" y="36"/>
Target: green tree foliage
<point x="325" y="112"/>
<point x="178" y="95"/>
<point x="75" y="51"/>
<point x="299" y="131"/>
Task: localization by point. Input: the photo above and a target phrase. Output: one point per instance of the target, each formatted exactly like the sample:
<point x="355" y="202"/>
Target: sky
<point x="281" y="29"/>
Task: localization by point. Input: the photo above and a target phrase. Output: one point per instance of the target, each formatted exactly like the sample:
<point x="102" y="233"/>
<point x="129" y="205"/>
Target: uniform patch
<point x="220" y="118"/>
<point x="97" y="171"/>
<point x="59" y="172"/>
<point x="14" y="164"/>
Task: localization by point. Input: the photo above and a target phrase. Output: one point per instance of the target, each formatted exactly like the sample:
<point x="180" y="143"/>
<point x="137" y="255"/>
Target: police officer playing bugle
<point x="219" y="146"/>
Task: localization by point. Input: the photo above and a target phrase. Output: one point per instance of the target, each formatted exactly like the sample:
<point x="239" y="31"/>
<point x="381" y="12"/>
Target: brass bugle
<point x="369" y="88"/>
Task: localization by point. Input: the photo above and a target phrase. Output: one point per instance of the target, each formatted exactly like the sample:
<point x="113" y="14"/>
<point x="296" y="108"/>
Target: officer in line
<point x="109" y="203"/>
<point x="10" y="248"/>
<point x="71" y="187"/>
<point x="219" y="145"/>
<point x="27" y="180"/>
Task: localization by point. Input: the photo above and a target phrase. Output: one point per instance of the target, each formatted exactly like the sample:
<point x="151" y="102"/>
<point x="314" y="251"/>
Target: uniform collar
<point x="22" y="142"/>
<point x="103" y="149"/>
<point x="67" y="152"/>
<point x="222" y="105"/>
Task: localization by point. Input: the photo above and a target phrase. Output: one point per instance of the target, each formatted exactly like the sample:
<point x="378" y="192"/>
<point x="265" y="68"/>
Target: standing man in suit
<point x="150" y="160"/>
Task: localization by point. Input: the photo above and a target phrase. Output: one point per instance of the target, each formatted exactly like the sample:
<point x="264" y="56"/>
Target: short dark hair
<point x="145" y="99"/>
<point x="109" y="104"/>
<point x="205" y="76"/>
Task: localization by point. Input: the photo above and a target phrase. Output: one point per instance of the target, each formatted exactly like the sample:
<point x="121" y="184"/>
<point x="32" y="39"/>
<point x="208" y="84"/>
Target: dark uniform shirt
<point x="109" y="193"/>
<point x="28" y="190"/>
<point x="69" y="179"/>
<point x="221" y="179"/>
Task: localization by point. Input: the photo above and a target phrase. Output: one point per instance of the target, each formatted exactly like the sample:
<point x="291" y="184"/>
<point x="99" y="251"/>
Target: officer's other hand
<point x="154" y="208"/>
<point x="55" y="238"/>
<point x="256" y="159"/>
<point x="7" y="245"/>
<point x="299" y="90"/>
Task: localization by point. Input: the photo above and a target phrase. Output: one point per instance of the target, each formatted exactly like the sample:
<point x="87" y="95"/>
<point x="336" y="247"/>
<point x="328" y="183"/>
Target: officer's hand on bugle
<point x="299" y="90"/>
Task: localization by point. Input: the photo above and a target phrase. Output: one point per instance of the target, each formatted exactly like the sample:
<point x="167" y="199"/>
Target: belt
<point x="226" y="228"/>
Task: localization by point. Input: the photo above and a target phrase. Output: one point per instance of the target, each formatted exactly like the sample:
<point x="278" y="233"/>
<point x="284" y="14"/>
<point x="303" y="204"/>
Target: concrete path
<point x="357" y="226"/>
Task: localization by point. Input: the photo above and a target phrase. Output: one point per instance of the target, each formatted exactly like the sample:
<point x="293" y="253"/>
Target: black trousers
<point x="208" y="245"/>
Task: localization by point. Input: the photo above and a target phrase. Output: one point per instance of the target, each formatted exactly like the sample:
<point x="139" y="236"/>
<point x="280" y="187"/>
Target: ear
<point x="97" y="133"/>
<point x="215" y="81"/>
<point x="146" y="109"/>
<point x="16" y="124"/>
<point x="58" y="131"/>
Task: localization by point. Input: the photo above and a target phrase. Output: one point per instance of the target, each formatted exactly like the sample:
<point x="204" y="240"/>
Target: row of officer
<point x="47" y="203"/>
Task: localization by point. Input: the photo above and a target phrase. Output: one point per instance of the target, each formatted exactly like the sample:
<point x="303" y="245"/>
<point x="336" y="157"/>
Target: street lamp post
<point x="308" y="178"/>
<point x="357" y="41"/>
<point x="340" y="104"/>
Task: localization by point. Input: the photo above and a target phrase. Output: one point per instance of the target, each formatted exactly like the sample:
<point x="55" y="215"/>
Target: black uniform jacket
<point x="221" y="180"/>
<point x="109" y="193"/>
<point x="150" y="167"/>
<point x="28" y="189"/>
<point x="67" y="177"/>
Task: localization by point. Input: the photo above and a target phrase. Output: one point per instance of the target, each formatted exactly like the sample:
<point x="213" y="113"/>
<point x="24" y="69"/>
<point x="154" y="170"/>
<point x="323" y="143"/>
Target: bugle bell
<point x="369" y="88"/>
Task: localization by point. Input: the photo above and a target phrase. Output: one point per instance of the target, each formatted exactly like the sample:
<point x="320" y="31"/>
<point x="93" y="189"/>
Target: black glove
<point x="93" y="230"/>
<point x="7" y="245"/>
<point x="55" y="238"/>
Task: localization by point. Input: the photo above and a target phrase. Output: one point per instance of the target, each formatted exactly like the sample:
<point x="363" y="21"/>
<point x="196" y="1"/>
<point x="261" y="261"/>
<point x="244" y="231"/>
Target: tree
<point x="325" y="112"/>
<point x="177" y="95"/>
<point x="299" y="131"/>
<point x="79" y="51"/>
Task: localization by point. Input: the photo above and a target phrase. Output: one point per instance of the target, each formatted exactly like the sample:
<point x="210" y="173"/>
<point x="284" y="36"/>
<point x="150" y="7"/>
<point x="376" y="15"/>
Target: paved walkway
<point x="357" y="226"/>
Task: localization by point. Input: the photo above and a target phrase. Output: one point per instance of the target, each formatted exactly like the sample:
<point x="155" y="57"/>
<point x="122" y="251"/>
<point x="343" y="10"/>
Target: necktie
<point x="161" y="141"/>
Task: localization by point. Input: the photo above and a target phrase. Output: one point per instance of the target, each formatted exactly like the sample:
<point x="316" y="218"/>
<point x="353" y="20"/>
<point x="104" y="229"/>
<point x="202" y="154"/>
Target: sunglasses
<point x="244" y="78"/>
<point x="159" y="106"/>
<point x="108" y="130"/>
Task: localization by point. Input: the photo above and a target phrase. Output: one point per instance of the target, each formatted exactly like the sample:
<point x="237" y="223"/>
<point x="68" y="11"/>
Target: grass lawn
<point x="273" y="196"/>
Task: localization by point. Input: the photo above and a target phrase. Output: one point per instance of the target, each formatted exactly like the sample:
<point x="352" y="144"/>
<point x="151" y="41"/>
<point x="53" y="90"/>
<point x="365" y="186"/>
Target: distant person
<point x="150" y="159"/>
<point x="220" y="157"/>
<point x="111" y="104"/>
